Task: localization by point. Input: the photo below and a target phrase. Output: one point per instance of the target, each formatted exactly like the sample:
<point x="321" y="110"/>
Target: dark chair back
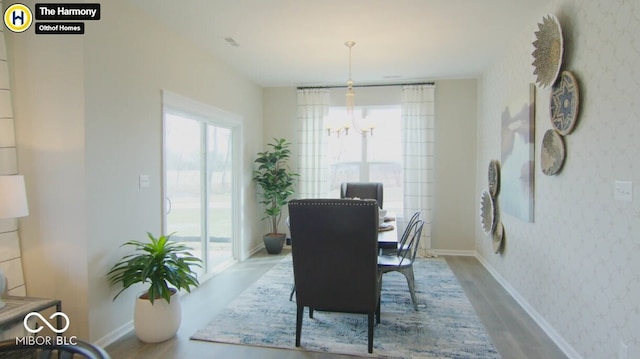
<point x="335" y="253"/>
<point x="363" y="190"/>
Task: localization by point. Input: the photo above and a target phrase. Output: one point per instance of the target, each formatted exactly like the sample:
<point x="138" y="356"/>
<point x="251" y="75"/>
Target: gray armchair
<point x="362" y="190"/>
<point x="335" y="258"/>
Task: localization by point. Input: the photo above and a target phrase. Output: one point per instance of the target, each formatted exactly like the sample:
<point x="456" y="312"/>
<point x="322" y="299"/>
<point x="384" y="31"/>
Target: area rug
<point x="444" y="326"/>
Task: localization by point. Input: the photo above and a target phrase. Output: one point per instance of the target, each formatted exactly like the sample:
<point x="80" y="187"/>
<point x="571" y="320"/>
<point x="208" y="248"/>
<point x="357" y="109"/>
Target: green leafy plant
<point x="160" y="263"/>
<point x="276" y="180"/>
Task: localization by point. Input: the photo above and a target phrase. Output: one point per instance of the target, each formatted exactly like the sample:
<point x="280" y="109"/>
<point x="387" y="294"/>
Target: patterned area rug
<point x="445" y="325"/>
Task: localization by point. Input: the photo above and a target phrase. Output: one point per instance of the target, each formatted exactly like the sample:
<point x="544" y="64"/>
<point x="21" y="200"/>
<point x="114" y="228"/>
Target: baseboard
<point x="116" y="334"/>
<point x="566" y="348"/>
<point x="453" y="252"/>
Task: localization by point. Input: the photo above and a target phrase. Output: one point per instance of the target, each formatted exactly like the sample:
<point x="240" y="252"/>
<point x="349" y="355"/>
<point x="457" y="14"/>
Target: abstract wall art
<point x="517" y="171"/>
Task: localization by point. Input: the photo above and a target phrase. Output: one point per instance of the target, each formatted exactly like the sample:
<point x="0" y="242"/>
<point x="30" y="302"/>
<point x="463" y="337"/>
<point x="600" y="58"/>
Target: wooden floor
<point x="512" y="331"/>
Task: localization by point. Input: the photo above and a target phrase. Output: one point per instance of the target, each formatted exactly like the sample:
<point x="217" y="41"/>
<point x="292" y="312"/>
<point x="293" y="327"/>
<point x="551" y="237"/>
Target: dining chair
<point x="293" y="286"/>
<point x="362" y="190"/>
<point x="403" y="260"/>
<point x="79" y="349"/>
<point x="334" y="247"/>
<point x="402" y="242"/>
<point x="407" y="230"/>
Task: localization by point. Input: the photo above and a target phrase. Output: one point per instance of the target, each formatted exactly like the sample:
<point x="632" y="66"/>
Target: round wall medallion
<point x="547" y="53"/>
<point x="498" y="234"/>
<point x="552" y="153"/>
<point x="494" y="177"/>
<point x="565" y="100"/>
<point x="487" y="212"/>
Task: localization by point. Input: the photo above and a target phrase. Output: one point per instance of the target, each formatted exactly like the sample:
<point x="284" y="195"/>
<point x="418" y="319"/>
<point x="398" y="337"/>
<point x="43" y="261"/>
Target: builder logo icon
<point x="18" y="17"/>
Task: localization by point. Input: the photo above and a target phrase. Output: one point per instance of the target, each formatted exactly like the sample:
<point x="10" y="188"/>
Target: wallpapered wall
<point x="577" y="267"/>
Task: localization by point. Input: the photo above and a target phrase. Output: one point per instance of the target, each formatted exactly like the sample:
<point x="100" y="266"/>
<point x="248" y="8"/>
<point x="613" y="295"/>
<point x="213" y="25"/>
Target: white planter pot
<point x="158" y="322"/>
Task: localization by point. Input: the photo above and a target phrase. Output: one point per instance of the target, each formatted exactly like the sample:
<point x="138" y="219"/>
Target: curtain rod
<point x="371" y="85"/>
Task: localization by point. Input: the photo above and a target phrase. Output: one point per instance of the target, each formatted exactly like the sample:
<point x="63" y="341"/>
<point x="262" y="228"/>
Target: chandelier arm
<point x="357" y="127"/>
<point x="350" y="104"/>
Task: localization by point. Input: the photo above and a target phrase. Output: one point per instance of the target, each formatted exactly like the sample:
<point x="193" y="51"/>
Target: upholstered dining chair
<point x="80" y="349"/>
<point x="335" y="258"/>
<point x="403" y="260"/>
<point x="362" y="190"/>
<point x="293" y="286"/>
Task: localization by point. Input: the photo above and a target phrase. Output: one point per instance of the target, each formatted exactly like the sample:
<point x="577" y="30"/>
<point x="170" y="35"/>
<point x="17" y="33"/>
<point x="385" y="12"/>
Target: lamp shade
<point x="13" y="197"/>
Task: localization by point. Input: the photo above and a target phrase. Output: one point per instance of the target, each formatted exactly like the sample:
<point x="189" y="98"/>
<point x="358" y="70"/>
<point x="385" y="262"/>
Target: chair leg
<point x="379" y="296"/>
<point x="310" y="312"/>
<point x="293" y="291"/>
<point x="299" y="315"/>
<point x="408" y="274"/>
<point x="370" y="342"/>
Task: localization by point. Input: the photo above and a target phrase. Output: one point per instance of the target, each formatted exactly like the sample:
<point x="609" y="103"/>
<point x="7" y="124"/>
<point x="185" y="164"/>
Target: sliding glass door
<point x="200" y="176"/>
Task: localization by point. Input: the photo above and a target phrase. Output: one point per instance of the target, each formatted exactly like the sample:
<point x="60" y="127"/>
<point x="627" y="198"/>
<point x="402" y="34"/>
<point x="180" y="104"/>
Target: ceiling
<point x="301" y="42"/>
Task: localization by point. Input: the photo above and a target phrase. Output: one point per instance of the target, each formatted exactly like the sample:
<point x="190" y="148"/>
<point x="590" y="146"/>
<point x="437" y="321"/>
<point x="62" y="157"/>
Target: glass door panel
<point x="219" y="197"/>
<point x="183" y="178"/>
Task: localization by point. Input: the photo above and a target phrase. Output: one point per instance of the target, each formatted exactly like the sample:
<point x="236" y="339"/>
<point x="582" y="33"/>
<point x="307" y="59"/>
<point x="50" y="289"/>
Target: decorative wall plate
<point x="565" y="100"/>
<point x="496" y="213"/>
<point x="547" y="53"/>
<point x="487" y="212"/>
<point x="494" y="177"/>
<point x="552" y="153"/>
<point x="498" y="234"/>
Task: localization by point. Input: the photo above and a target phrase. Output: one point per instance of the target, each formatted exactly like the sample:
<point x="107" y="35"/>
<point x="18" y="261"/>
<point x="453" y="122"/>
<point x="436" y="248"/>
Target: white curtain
<point x="313" y="107"/>
<point x="418" y="141"/>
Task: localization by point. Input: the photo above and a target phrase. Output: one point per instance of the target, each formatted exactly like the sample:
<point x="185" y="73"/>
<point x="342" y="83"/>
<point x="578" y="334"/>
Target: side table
<point x="16" y="308"/>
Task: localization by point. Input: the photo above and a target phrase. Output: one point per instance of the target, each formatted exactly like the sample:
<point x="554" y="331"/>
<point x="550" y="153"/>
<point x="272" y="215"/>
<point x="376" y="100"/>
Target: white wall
<point x="88" y="122"/>
<point x="576" y="267"/>
<point x="454" y="212"/>
<point x="280" y="104"/>
<point x="128" y="63"/>
<point x="48" y="98"/>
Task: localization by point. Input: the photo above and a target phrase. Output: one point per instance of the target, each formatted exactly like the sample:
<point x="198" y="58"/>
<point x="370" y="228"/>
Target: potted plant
<point x="165" y="266"/>
<point x="276" y="180"/>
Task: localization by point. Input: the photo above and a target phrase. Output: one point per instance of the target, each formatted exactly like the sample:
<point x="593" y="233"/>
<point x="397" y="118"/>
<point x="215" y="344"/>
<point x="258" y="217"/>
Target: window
<point x="200" y="180"/>
<point x="364" y="158"/>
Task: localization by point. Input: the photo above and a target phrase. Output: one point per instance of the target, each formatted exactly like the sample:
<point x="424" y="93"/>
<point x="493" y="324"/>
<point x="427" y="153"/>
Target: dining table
<point x="388" y="236"/>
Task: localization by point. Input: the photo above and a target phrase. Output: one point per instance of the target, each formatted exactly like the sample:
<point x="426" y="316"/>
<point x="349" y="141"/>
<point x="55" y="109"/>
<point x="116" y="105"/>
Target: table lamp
<point x="13" y="204"/>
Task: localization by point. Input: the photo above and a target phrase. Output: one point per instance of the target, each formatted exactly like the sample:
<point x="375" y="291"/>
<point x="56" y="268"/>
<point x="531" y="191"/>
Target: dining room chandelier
<point x="350" y="105"/>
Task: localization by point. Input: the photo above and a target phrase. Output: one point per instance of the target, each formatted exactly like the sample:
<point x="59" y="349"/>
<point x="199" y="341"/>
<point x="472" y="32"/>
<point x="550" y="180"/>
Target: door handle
<point x="169" y="205"/>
